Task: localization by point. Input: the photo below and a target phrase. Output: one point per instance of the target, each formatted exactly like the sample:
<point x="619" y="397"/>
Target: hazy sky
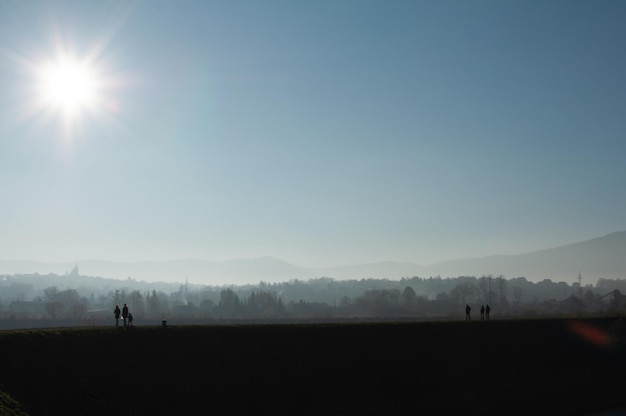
<point x="319" y="132"/>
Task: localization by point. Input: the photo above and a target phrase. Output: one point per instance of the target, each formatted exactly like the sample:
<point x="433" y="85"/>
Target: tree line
<point x="93" y="300"/>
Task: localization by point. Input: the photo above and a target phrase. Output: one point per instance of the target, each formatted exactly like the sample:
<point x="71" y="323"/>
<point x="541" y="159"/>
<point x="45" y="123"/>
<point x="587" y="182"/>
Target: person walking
<point x="130" y="319"/>
<point x="125" y="315"/>
<point x="487" y="310"/>
<point x="482" y="312"/>
<point x="468" y="317"/>
<point x="116" y="312"/>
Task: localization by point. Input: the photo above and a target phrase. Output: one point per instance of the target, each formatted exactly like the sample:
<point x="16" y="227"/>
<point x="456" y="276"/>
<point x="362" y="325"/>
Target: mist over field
<point x="257" y="291"/>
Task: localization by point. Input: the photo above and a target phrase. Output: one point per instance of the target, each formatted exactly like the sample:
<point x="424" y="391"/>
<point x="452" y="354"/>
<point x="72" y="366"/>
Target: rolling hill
<point x="602" y="257"/>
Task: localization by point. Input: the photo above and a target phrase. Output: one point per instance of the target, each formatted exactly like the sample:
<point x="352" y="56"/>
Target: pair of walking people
<point x="127" y="317"/>
<point x="484" y="312"/>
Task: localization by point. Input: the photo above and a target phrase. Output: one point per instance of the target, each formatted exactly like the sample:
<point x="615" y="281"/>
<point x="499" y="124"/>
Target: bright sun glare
<point x="65" y="88"/>
<point x="68" y="86"/>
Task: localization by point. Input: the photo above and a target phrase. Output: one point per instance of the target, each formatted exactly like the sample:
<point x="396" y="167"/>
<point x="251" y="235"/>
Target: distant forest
<point x="79" y="300"/>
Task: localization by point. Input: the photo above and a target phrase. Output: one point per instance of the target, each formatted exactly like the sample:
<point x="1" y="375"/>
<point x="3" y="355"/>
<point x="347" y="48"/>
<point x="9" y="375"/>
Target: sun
<point x="69" y="86"/>
<point x="70" y="92"/>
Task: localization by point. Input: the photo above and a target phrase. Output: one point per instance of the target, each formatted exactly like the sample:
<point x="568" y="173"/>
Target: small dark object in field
<point x="164" y="324"/>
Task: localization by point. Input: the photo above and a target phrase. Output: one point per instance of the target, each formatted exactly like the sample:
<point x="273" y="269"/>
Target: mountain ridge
<point x="600" y="257"/>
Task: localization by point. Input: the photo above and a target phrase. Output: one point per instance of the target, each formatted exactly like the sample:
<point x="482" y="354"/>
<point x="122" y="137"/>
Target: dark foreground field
<point x="551" y="367"/>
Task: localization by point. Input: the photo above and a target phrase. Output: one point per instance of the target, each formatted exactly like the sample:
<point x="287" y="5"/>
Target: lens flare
<point x="590" y="333"/>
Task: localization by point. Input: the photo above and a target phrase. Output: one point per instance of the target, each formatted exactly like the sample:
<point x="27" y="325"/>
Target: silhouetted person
<point x="116" y="312"/>
<point x="487" y="310"/>
<point x="130" y="319"/>
<point x="482" y="311"/>
<point x="468" y="317"/>
<point x="125" y="314"/>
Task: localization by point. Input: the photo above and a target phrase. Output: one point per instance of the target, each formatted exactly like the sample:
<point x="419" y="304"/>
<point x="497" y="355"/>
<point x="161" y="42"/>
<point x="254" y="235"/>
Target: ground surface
<point x="548" y="366"/>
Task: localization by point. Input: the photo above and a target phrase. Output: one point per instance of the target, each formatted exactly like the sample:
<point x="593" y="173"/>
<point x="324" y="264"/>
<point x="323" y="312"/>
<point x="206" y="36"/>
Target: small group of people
<point x="484" y="312"/>
<point x="127" y="317"/>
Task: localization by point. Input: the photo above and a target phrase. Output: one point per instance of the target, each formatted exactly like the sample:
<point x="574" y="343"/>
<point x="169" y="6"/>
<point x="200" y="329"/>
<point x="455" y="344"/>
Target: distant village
<point x="72" y="299"/>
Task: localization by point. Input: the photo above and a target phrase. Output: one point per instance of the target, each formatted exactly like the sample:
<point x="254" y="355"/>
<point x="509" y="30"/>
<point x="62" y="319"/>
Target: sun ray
<point x="68" y="85"/>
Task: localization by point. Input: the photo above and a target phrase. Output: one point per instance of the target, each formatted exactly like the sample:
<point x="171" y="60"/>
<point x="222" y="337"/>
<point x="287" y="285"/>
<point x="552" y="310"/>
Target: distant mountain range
<point x="603" y="257"/>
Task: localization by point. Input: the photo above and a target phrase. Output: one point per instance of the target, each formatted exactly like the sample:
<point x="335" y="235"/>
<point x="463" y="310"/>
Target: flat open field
<point x="544" y="366"/>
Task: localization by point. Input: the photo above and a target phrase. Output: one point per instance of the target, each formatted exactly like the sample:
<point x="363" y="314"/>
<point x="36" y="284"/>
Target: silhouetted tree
<point x="67" y="300"/>
<point x="50" y="293"/>
<point x="485" y="283"/>
<point x="118" y="297"/>
<point x="517" y="294"/>
<point x="408" y="297"/>
<point x="206" y="307"/>
<point x="54" y="309"/>
<point x="264" y="304"/>
<point x="153" y="305"/>
<point x="466" y="292"/>
<point x="502" y="286"/>
<point x="229" y="304"/>
<point x="379" y="302"/>
<point x="137" y="304"/>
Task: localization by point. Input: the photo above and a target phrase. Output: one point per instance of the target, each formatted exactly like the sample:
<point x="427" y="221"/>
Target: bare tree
<point x="502" y="286"/>
<point x="408" y="297"/>
<point x="463" y="293"/>
<point x="50" y="294"/>
<point x="137" y="303"/>
<point x="484" y="283"/>
<point x="54" y="309"/>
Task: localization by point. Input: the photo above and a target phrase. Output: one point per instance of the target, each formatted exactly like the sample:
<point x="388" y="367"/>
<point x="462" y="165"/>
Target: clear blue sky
<point x="319" y="132"/>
